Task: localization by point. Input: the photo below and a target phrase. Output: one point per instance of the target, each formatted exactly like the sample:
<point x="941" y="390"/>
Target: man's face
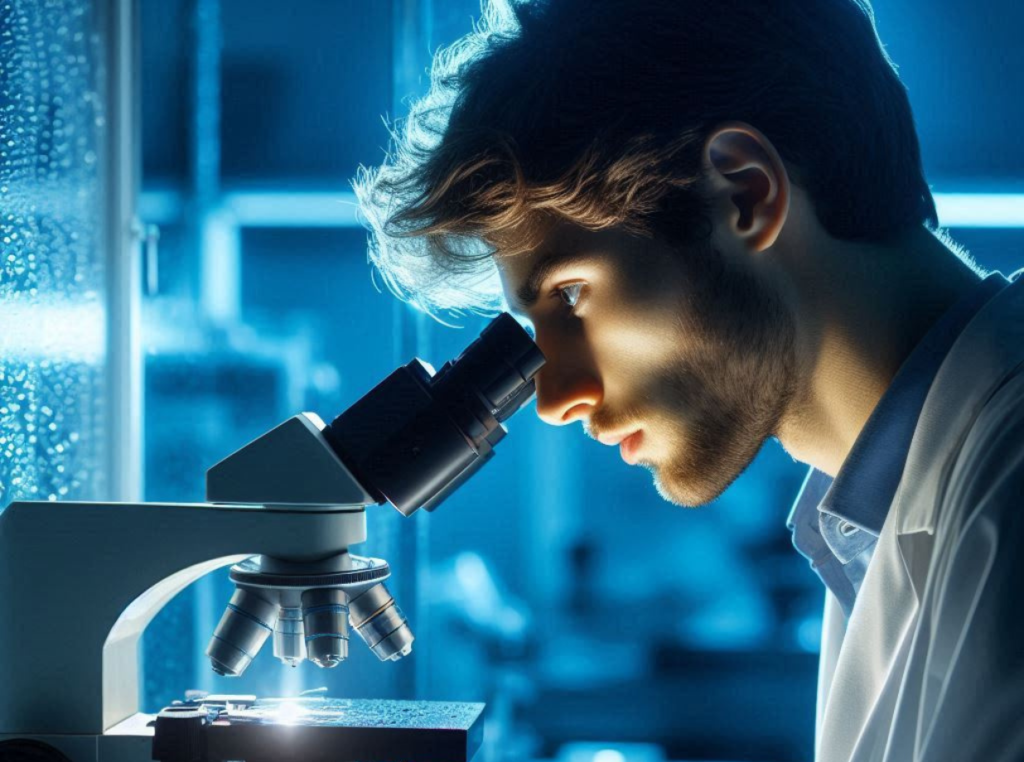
<point x="685" y="357"/>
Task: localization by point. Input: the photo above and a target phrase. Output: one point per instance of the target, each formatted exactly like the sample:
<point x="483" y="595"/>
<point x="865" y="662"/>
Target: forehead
<point x="519" y="250"/>
<point x="560" y="246"/>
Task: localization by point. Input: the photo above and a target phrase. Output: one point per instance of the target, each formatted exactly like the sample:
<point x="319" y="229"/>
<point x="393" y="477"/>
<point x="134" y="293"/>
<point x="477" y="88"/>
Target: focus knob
<point x="179" y="735"/>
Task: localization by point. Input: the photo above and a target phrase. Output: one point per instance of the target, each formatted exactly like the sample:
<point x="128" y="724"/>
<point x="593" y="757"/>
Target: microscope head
<point x="411" y="441"/>
<point x="418" y="435"/>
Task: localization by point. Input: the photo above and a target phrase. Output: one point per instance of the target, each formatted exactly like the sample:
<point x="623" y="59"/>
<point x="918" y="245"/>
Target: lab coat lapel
<point x="864" y="685"/>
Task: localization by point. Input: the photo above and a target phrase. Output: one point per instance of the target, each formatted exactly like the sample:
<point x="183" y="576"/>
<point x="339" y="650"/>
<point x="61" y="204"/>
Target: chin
<point x="686" y="492"/>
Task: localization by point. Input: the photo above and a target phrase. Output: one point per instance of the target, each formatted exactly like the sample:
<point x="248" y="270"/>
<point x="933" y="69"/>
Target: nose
<point x="566" y="391"/>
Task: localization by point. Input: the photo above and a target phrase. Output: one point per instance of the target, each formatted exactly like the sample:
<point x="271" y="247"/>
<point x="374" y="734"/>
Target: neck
<point x="860" y="312"/>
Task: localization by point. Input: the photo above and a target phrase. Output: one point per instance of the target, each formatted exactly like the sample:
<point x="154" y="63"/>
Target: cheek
<point x="636" y="348"/>
<point x="642" y="335"/>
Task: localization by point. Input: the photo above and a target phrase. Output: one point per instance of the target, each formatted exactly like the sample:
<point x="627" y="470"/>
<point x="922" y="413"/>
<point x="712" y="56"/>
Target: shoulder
<point x="974" y="631"/>
<point x="980" y="526"/>
<point x="987" y="473"/>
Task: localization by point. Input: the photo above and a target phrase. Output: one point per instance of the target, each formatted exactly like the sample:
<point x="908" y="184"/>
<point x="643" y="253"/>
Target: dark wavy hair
<point x="596" y="112"/>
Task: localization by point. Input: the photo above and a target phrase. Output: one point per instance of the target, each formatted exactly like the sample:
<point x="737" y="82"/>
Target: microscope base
<point x="316" y="730"/>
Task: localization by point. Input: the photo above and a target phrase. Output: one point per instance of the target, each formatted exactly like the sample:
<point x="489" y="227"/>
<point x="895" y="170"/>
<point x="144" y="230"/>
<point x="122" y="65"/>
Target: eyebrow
<point x="528" y="293"/>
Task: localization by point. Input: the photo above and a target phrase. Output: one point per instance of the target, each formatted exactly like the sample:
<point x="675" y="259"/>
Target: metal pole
<point x="215" y="243"/>
<point x="123" y="152"/>
<point x="215" y="236"/>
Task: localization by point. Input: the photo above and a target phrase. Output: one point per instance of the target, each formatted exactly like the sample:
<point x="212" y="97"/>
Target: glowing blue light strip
<point x="293" y="209"/>
<point x="314" y="209"/>
<point x="262" y="209"/>
<point x="980" y="210"/>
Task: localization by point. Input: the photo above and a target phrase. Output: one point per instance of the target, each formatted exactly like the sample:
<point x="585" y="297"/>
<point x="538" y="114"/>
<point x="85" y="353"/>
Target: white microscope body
<point x="79" y="582"/>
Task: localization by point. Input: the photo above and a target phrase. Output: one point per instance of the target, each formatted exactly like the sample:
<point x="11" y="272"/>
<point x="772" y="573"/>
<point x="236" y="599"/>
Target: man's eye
<point x="571" y="294"/>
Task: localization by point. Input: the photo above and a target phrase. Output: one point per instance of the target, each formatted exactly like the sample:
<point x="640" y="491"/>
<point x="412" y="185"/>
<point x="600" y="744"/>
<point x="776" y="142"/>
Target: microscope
<point x="81" y="581"/>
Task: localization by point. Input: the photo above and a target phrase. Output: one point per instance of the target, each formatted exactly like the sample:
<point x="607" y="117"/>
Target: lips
<point x="628" y="442"/>
<point x="629" y="448"/>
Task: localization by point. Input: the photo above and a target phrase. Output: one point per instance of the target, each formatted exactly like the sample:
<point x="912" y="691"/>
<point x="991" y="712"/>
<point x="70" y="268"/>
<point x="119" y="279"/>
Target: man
<point x="713" y="214"/>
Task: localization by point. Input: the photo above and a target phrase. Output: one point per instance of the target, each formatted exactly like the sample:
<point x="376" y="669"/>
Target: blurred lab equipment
<point x="491" y="641"/>
<point x="284" y="510"/>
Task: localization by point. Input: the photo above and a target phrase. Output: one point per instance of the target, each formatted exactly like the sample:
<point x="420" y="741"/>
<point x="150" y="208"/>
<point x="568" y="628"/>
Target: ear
<point x="747" y="183"/>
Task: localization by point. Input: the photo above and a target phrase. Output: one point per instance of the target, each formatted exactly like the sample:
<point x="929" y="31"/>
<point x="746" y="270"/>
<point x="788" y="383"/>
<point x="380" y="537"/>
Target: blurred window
<point x="52" y="273"/>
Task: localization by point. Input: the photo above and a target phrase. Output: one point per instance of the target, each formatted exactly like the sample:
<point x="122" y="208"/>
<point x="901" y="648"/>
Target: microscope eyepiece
<point x="498" y="368"/>
<point x="418" y="435"/>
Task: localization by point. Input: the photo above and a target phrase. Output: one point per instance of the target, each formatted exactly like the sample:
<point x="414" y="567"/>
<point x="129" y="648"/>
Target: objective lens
<point x="247" y="623"/>
<point x="381" y="624"/>
<point x="325" y="615"/>
<point x="289" y="637"/>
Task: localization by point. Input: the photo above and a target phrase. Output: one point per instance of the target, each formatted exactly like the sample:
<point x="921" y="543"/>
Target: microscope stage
<point x="341" y="730"/>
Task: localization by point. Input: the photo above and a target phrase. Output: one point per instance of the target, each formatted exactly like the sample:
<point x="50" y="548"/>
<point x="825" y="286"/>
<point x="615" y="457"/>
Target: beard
<point x="711" y="408"/>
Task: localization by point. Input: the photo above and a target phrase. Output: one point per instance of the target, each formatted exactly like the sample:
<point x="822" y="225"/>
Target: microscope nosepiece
<point x="245" y="626"/>
<point x="381" y="624"/>
<point x="325" y="615"/>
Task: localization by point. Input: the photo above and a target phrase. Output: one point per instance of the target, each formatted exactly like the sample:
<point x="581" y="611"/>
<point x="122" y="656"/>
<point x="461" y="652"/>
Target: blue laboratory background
<point x="597" y="622"/>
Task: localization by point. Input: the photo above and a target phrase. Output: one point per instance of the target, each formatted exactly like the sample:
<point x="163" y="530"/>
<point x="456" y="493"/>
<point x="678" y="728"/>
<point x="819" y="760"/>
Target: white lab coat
<point x="930" y="665"/>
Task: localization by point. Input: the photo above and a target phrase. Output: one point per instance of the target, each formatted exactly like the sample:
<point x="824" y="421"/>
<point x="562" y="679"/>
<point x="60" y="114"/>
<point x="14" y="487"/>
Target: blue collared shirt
<point x="836" y="522"/>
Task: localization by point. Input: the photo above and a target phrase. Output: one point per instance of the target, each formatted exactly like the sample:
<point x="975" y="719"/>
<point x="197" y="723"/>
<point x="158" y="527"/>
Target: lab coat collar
<point x="836" y="523"/>
<point x="865" y="486"/>
<point x="992" y="346"/>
